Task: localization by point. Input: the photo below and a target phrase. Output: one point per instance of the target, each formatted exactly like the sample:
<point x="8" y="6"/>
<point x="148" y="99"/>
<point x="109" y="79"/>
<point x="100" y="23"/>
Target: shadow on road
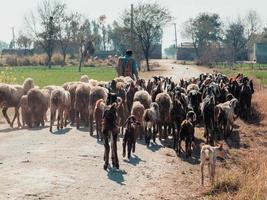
<point x="9" y="130"/>
<point x="155" y="147"/>
<point x="194" y="159"/>
<point x="62" y="131"/>
<point x="116" y="175"/>
<point x="134" y="160"/>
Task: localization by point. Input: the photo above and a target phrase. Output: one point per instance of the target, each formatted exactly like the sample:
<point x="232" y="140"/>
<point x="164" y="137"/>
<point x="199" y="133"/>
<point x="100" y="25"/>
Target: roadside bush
<point x="23" y="61"/>
<point x="11" y="60"/>
<point x="57" y="59"/>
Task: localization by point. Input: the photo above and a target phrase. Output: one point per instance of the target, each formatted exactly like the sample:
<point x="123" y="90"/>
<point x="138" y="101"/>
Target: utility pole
<point x="50" y="34"/>
<point x="13" y="42"/>
<point x="132" y="26"/>
<point x="176" y="47"/>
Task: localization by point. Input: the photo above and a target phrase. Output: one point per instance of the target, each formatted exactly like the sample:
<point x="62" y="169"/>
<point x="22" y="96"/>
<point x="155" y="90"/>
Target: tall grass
<point x="246" y="176"/>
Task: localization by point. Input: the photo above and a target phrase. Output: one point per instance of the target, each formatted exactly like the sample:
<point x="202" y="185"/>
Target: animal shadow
<point x="233" y="141"/>
<point x="155" y="147"/>
<point x="9" y="130"/>
<point x="194" y="159"/>
<point x="116" y="175"/>
<point x="62" y="131"/>
<point x="134" y="160"/>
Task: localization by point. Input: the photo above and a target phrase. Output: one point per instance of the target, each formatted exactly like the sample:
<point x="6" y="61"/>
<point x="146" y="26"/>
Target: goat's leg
<point x="134" y="142"/>
<point x="213" y="174"/>
<point x="58" y="119"/>
<point x="160" y="131"/>
<point x="77" y="119"/>
<point x="107" y="149"/>
<point x="66" y="116"/>
<point x="210" y="171"/>
<point x="149" y="136"/>
<point x="179" y="146"/>
<point x="124" y="143"/>
<point x="165" y="133"/>
<point x="91" y="121"/>
<point x="4" y="111"/>
<point x="115" y="161"/>
<point x="97" y="130"/>
<point x="202" y="173"/>
<point x="52" y="117"/>
<point x="154" y="135"/>
<point x="18" y="118"/>
<point x="186" y="149"/>
<point x="174" y="135"/>
<point x="129" y="148"/>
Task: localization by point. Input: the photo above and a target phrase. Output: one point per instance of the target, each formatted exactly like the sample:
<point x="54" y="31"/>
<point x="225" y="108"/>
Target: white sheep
<point x="208" y="155"/>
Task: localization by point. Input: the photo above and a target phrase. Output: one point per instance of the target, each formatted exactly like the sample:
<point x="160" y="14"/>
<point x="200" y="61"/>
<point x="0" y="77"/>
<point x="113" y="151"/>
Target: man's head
<point x="129" y="52"/>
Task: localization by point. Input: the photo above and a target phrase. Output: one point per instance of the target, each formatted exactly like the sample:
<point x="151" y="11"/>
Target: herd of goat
<point x="136" y="109"/>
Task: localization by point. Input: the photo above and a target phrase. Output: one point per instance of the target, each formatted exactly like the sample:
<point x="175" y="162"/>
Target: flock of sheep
<point x="137" y="109"/>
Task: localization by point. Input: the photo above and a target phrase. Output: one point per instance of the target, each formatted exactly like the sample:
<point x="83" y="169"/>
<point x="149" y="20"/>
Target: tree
<point x="86" y="40"/>
<point x="23" y="41"/>
<point x="67" y="32"/>
<point x="103" y="27"/>
<point x="3" y="45"/>
<point x="44" y="25"/>
<point x="235" y="38"/>
<point x="148" y="21"/>
<point x="119" y="37"/>
<point x="204" y="30"/>
<point x="171" y="51"/>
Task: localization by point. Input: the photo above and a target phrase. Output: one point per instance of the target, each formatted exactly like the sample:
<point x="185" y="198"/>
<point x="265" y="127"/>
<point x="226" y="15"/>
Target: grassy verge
<point x="56" y="76"/>
<point x="245" y="174"/>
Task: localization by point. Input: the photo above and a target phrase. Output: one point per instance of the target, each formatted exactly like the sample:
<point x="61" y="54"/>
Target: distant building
<point x="186" y="52"/>
<point x="260" y="53"/>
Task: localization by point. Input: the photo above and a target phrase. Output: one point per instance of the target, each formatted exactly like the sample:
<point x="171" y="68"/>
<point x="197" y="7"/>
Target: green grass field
<point x="243" y="66"/>
<point x="57" y="75"/>
<point x="261" y="75"/>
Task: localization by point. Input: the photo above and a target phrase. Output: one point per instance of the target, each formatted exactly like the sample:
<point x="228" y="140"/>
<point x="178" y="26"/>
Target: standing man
<point x="127" y="66"/>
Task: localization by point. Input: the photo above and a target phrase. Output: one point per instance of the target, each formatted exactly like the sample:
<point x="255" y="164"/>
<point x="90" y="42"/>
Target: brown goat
<point x="60" y="100"/>
<point x="129" y="138"/>
<point x="138" y="111"/>
<point x="96" y="93"/>
<point x="25" y="115"/>
<point x="82" y="93"/>
<point x="10" y="97"/>
<point x="98" y="115"/>
<point x="38" y="107"/>
<point x="110" y="126"/>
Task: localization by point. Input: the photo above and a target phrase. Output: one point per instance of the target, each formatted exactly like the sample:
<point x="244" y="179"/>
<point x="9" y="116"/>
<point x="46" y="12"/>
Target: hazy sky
<point x="13" y="11"/>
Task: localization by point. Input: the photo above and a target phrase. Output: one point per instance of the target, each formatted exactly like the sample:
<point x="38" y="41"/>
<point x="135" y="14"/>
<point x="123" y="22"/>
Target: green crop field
<point x="261" y="75"/>
<point x="56" y="76"/>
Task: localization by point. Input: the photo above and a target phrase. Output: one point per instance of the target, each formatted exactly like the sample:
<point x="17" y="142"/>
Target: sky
<point x="13" y="12"/>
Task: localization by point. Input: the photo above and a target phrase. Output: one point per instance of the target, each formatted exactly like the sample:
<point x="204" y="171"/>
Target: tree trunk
<point x="147" y="63"/>
<point x="49" y="60"/>
<point x="64" y="59"/>
<point x="80" y="65"/>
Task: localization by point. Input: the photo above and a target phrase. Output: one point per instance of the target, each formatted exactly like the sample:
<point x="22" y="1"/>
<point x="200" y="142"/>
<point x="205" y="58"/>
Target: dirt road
<point x="35" y="164"/>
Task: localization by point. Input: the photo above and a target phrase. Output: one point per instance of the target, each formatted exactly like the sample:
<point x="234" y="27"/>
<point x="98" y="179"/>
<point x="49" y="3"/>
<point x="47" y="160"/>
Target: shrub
<point x="23" y="61"/>
<point x="11" y="60"/>
<point x="57" y="59"/>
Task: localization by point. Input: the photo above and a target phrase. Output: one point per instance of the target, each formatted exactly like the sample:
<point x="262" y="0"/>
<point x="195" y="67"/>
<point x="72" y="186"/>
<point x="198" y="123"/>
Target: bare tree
<point x="204" y="31"/>
<point x="149" y="20"/>
<point x="67" y="32"/>
<point x="85" y="38"/>
<point x="43" y="26"/>
<point x="23" y="41"/>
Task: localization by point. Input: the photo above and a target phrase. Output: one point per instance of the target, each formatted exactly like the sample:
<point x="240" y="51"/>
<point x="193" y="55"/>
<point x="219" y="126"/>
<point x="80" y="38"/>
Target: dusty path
<point x="35" y="164"/>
